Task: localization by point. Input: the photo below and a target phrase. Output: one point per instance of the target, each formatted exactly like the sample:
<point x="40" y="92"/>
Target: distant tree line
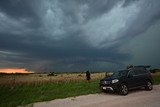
<point x="4" y="74"/>
<point x="154" y="70"/>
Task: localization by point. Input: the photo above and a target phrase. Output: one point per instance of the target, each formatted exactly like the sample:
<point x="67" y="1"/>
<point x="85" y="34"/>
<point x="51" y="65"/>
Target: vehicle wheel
<point x="149" y="85"/>
<point x="123" y="90"/>
<point x="105" y="91"/>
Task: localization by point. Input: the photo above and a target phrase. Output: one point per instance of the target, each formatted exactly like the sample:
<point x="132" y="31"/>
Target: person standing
<point x="88" y="75"/>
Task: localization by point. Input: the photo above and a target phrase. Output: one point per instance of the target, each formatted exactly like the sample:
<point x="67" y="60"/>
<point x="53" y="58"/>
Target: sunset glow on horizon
<point x="13" y="70"/>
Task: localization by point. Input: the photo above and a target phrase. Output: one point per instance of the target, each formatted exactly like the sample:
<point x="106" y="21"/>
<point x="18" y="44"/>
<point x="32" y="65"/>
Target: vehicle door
<point x="131" y="79"/>
<point x="140" y="76"/>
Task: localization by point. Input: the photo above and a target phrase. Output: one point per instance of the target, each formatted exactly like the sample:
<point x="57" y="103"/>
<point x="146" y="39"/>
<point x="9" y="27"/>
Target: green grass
<point x="22" y="94"/>
<point x="156" y="79"/>
<point x="29" y="93"/>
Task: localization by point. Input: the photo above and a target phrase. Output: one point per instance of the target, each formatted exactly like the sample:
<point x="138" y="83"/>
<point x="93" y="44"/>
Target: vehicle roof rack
<point x="140" y="66"/>
<point x="145" y="66"/>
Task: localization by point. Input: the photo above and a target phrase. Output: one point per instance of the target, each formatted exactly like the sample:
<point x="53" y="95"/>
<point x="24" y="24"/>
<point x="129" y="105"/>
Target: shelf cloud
<point x="75" y="35"/>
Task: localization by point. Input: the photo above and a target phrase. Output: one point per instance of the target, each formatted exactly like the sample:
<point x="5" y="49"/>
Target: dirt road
<point x="136" y="98"/>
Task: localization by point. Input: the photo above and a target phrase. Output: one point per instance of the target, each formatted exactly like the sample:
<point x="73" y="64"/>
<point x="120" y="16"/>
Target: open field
<point x="43" y="78"/>
<point x="28" y="93"/>
<point x="24" y="89"/>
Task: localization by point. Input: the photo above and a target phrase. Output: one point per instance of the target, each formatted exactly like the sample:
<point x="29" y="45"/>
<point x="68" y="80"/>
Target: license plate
<point x="104" y="88"/>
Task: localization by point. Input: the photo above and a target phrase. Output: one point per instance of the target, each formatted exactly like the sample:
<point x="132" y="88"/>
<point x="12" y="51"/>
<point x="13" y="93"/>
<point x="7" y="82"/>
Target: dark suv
<point x="124" y="80"/>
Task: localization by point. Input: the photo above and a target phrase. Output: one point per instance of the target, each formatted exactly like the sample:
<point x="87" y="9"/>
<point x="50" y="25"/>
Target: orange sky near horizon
<point x="14" y="70"/>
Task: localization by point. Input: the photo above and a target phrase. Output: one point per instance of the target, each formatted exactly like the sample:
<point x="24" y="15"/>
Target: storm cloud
<point x="75" y="35"/>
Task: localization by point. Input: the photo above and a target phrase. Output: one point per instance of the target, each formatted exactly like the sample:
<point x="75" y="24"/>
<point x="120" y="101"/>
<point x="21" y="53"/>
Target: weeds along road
<point x="135" y="98"/>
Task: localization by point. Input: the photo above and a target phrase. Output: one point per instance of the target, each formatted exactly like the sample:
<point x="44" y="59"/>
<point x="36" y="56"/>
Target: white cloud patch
<point x="105" y="29"/>
<point x="53" y="20"/>
<point x="14" y="26"/>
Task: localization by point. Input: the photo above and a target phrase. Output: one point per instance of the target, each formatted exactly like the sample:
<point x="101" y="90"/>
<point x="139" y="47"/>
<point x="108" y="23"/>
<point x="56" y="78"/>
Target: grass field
<point x="156" y="78"/>
<point x="29" y="93"/>
<point x="25" y="89"/>
<point x="43" y="78"/>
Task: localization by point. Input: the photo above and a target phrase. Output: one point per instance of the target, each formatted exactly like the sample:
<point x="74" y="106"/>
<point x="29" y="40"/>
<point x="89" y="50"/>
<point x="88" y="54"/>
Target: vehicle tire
<point x="105" y="91"/>
<point x="123" y="90"/>
<point x="149" y="85"/>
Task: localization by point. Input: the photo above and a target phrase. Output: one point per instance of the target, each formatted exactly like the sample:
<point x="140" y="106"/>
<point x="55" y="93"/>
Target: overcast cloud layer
<point x="75" y="35"/>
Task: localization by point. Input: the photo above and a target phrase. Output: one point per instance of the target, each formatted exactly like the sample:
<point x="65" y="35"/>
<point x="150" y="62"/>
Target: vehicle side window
<point x="140" y="71"/>
<point x="137" y="72"/>
<point x="144" y="71"/>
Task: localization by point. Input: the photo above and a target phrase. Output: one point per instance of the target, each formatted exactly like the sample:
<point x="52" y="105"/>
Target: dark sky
<point x="75" y="35"/>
